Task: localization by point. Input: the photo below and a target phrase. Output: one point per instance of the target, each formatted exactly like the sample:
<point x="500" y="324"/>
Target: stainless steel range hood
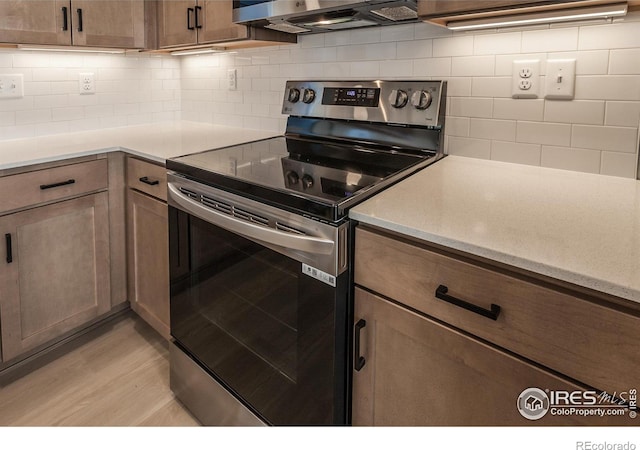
<point x="315" y="16"/>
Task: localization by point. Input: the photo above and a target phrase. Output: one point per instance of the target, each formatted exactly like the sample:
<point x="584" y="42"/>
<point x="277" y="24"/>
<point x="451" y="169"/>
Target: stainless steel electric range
<point x="260" y="249"/>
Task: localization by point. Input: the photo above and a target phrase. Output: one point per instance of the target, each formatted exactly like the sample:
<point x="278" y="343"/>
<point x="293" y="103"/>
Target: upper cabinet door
<point x="35" y="22"/>
<point x="108" y="23"/>
<point x="176" y="23"/>
<point x="217" y="22"/>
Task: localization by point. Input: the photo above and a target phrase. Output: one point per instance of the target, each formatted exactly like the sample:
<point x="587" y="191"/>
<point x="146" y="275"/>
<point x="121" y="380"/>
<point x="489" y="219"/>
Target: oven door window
<point x="253" y="320"/>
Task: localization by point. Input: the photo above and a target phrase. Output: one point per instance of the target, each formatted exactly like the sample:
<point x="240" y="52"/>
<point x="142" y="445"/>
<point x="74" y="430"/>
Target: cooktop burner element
<point x="344" y="141"/>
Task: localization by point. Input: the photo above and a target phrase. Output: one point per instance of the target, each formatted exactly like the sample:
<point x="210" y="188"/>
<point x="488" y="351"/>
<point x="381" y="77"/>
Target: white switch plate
<point x="11" y="86"/>
<point x="233" y="79"/>
<point x="87" y="83"/>
<point x="561" y="79"/>
<point x="525" y="78"/>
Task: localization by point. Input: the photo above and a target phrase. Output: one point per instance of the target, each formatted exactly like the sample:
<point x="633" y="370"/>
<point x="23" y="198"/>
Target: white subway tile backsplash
<point x="497" y="43"/>
<point x="613" y="87"/>
<point x="469" y="66"/>
<point x="527" y="109"/>
<point x="610" y="36"/>
<point x="453" y="46"/>
<point x="550" y="40"/>
<point x="415" y="49"/>
<point x="544" y="133"/>
<point x="491" y="87"/>
<point x="619" y="164"/>
<point x="474" y="148"/>
<point x="617" y="139"/>
<point x="502" y="130"/>
<point x="396" y="33"/>
<point x="514" y="152"/>
<point x="624" y="114"/>
<point x="584" y="112"/>
<point x="625" y="62"/>
<point x="471" y="107"/>
<point x="597" y="131"/>
<point x="457" y="126"/>
<point x="577" y="159"/>
<point x="432" y="67"/>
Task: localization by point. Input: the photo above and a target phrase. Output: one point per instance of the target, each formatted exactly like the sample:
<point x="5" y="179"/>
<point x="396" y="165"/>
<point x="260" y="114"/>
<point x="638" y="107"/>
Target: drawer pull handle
<point x="65" y="19"/>
<point x="359" y="361"/>
<point x="80" y="27"/>
<point x="189" y="26"/>
<point x="493" y="313"/>
<point x="146" y="180"/>
<point x="55" y="185"/>
<point x="7" y="238"/>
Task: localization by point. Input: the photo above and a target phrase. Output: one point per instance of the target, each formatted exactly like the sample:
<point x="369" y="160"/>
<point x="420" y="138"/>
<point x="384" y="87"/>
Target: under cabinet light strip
<point x="71" y="49"/>
<point x="197" y="51"/>
<point x="564" y="15"/>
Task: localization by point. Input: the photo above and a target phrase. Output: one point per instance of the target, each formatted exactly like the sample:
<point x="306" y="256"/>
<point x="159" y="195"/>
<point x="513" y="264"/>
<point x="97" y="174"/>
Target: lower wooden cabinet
<point x="55" y="275"/>
<point x="148" y="256"/>
<point x="420" y="372"/>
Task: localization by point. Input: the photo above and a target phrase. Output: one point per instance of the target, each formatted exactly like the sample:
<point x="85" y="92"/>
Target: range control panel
<point x="402" y="102"/>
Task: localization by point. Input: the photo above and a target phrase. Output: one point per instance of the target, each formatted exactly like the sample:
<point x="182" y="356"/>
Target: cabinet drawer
<point x="147" y="177"/>
<point x="581" y="339"/>
<point x="40" y="186"/>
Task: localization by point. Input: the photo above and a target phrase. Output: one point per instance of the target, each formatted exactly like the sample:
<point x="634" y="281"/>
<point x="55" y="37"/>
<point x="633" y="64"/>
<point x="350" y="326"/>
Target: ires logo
<point x="535" y="403"/>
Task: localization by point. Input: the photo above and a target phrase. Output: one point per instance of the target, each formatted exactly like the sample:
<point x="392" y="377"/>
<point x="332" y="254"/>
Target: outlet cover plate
<point x="11" y="85"/>
<point x="87" y="83"/>
<point x="525" y="78"/>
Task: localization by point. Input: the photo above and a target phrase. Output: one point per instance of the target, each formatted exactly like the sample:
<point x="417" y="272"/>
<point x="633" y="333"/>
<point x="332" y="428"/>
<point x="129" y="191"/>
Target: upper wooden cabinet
<point x="95" y="23"/>
<point x="188" y="23"/>
<point x="441" y="11"/>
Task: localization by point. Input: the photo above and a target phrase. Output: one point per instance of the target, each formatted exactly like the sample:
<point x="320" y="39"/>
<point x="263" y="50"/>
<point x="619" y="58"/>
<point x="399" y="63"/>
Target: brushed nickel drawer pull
<point x="54" y="185"/>
<point x="493" y="313"/>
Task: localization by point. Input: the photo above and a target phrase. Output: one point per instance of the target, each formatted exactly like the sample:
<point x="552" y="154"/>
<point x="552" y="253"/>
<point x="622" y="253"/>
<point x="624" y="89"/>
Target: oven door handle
<point x="249" y="230"/>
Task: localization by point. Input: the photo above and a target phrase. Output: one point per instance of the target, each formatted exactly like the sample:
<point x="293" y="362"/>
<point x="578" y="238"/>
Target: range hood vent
<point x="326" y="15"/>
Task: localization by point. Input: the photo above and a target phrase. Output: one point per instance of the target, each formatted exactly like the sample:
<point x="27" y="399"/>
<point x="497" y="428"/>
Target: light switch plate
<point x="525" y="78"/>
<point x="11" y="85"/>
<point x="560" y="79"/>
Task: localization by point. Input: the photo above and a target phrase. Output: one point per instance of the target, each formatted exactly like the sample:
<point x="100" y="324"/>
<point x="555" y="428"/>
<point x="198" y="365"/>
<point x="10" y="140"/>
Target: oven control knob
<point x="308" y="95"/>
<point x="421" y="99"/>
<point x="294" y="95"/>
<point x="307" y="181"/>
<point x="292" y="177"/>
<point x="398" y="98"/>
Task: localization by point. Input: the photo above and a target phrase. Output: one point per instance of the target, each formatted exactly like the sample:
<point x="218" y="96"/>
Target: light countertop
<point x="153" y="141"/>
<point x="576" y="227"/>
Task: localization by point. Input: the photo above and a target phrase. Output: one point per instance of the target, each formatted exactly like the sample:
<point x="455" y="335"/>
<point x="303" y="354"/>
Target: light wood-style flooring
<point x="116" y="375"/>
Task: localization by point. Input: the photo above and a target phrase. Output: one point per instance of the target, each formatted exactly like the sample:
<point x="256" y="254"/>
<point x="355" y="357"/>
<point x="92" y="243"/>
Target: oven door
<point x="247" y="311"/>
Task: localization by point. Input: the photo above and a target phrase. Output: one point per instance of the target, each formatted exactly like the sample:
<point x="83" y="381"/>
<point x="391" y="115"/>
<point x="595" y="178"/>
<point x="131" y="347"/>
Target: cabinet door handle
<point x="146" y="180"/>
<point x="359" y="361"/>
<point x="7" y="238"/>
<point x="198" y="8"/>
<point x="79" y="11"/>
<point x="493" y="313"/>
<point x="65" y="19"/>
<point x="55" y="185"/>
<point x="189" y="26"/>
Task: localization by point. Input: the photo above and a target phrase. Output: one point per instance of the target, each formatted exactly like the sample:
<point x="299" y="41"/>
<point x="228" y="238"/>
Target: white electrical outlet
<point x="87" y="83"/>
<point x="526" y="79"/>
<point x="11" y="86"/>
<point x="560" y="80"/>
<point x="233" y="79"/>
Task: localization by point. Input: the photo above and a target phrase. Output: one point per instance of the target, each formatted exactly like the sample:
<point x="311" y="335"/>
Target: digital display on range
<point x="351" y="96"/>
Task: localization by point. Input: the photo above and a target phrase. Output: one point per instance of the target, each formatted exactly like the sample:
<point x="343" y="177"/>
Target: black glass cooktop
<point x="306" y="176"/>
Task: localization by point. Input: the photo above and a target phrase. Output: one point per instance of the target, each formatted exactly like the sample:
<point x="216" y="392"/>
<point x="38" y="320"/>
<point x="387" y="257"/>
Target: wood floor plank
<point x="119" y="377"/>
